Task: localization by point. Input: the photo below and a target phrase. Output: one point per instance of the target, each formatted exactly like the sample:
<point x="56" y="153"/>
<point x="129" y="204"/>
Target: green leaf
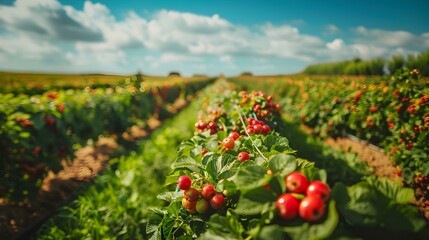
<point x="167" y="226"/>
<point x="252" y="176"/>
<point x="302" y="164"/>
<point x="378" y="203"/>
<point x="220" y="227"/>
<point x="255" y="201"/>
<point x="24" y="134"/>
<point x="282" y="163"/>
<point x="271" y="232"/>
<point x="321" y="230"/>
<point x="187" y="163"/>
<point x="170" y="196"/>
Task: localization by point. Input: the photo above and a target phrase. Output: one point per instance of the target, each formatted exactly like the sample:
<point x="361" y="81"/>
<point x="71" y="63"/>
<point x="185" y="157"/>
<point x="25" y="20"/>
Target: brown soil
<point x="18" y="221"/>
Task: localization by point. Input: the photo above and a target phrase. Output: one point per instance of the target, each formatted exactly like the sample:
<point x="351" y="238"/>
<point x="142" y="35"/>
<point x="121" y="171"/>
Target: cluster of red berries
<point x="199" y="201"/>
<point x="422" y="182"/>
<point x="311" y="207"/>
<point x="52" y="95"/>
<point x="254" y="99"/>
<point x="257" y="127"/>
<point x="24" y="122"/>
<point x="201" y="126"/>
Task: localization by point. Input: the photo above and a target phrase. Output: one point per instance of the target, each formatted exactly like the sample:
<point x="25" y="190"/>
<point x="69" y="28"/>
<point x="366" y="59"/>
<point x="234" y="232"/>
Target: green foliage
<point x="119" y="203"/>
<point x="38" y="131"/>
<point x="374" y="66"/>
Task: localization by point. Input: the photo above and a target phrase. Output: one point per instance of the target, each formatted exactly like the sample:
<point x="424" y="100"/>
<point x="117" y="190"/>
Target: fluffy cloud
<point x="46" y="18"/>
<point x="43" y="30"/>
<point x="389" y="38"/>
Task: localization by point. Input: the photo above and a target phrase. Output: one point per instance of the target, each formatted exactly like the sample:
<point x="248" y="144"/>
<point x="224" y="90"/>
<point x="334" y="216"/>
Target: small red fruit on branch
<point x="319" y="189"/>
<point x="191" y="194"/>
<point x="184" y="182"/>
<point x="311" y="208"/>
<point x="287" y="206"/>
<point x="228" y="143"/>
<point x="208" y="191"/>
<point x="234" y="135"/>
<point x="296" y="182"/>
<point x="217" y="201"/>
<point x="243" y="156"/>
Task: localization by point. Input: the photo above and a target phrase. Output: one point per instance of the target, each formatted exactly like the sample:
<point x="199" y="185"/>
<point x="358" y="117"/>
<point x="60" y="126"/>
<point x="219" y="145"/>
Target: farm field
<point x="235" y="120"/>
<point x="42" y="133"/>
<point x="245" y="144"/>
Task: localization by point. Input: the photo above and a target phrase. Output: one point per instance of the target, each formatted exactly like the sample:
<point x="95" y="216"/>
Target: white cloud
<point x="172" y="57"/>
<point x="386" y="38"/>
<point x="225" y="59"/>
<point x="337" y="44"/>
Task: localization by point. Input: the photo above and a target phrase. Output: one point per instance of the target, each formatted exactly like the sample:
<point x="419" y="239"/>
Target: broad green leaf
<point x="170" y="196"/>
<point x="282" y="163"/>
<point x="251" y="177"/>
<point x="187" y="163"/>
<point x="255" y="201"/>
<point x="220" y="227"/>
<point x="271" y="232"/>
<point x="302" y="164"/>
<point x="378" y="203"/>
<point x="315" y="231"/>
<point x="227" y="185"/>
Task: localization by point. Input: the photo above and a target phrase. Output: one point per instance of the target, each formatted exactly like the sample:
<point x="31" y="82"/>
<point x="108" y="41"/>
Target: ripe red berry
<point x="191" y="194"/>
<point x="296" y="182"/>
<point x="184" y="182"/>
<point x="319" y="189"/>
<point x="228" y="143"/>
<point x="208" y="191"/>
<point x="311" y="208"/>
<point x="217" y="201"/>
<point x="234" y="135"/>
<point x="243" y="156"/>
<point x="190" y="206"/>
<point x="266" y="129"/>
<point x="287" y="206"/>
<point x="258" y="128"/>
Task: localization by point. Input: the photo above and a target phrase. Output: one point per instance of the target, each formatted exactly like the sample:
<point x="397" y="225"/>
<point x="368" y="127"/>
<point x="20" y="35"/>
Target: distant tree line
<point x="378" y="66"/>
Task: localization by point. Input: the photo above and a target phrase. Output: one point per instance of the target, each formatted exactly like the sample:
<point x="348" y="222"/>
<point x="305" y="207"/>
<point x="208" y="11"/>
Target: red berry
<point x="258" y="128"/>
<point x="191" y="194"/>
<point x="228" y="143"/>
<point x="217" y="201"/>
<point x="287" y="206"/>
<point x="266" y="129"/>
<point x="234" y="135"/>
<point x="319" y="189"/>
<point x="243" y="156"/>
<point x="184" y="182"/>
<point x="208" y="191"/>
<point x="296" y="182"/>
<point x="311" y="208"/>
<point x="190" y="206"/>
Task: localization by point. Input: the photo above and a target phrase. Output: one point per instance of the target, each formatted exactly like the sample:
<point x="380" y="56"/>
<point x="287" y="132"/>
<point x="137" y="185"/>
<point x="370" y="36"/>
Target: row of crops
<point x="37" y="131"/>
<point x="390" y="112"/>
<point x="236" y="177"/>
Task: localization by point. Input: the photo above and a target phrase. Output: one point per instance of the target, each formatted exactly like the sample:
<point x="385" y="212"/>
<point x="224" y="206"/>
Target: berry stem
<point x="245" y="130"/>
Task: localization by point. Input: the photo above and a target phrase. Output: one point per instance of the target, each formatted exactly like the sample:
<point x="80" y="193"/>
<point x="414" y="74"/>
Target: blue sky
<point x="204" y="36"/>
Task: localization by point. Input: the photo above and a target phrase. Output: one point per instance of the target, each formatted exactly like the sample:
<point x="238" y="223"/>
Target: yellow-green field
<point x="41" y="80"/>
